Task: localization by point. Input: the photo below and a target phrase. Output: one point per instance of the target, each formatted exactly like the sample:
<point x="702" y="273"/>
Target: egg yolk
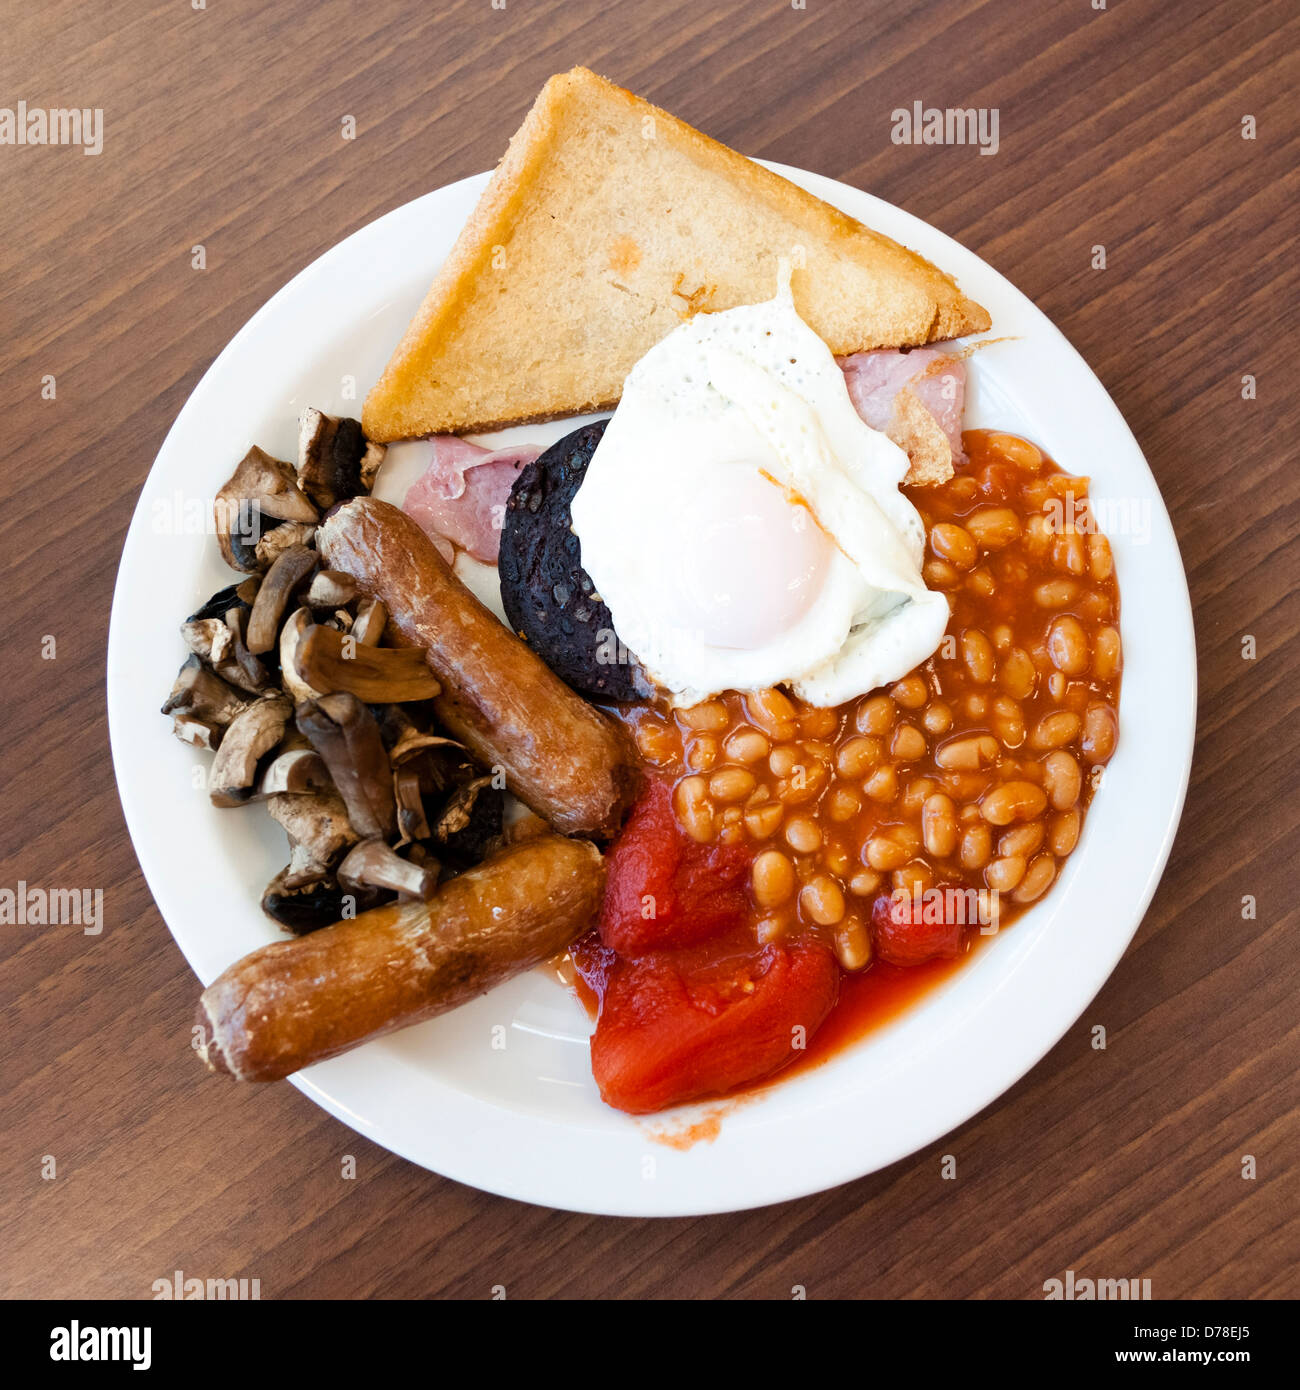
<point x="751" y="563"/>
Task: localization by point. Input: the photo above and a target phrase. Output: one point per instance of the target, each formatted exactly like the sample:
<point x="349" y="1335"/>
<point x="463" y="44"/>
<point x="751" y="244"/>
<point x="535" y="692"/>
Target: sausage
<point x="564" y="759"/>
<point x="296" y="1002"/>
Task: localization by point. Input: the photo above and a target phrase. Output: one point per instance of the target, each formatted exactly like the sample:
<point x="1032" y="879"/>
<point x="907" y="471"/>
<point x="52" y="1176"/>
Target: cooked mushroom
<point x="344" y="732"/>
<point x="222" y="601"/>
<point x="297" y="770"/>
<point x="319" y="831"/>
<point x="412" y="823"/>
<point x="272" y="544"/>
<point x="252" y="733"/>
<point x="291" y="634"/>
<point x="202" y="733"/>
<point x="208" y="638"/>
<point x="291" y="567"/>
<point x="472" y="822"/>
<point x="335" y="460"/>
<point x="261" y="487"/>
<point x="328" y="660"/>
<point x="331" y="589"/>
<point x="241" y="667"/>
<point x="368" y="625"/>
<point x="373" y="863"/>
<point x="200" y="693"/>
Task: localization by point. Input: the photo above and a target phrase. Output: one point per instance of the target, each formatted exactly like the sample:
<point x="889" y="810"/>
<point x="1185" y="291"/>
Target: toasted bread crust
<point x="607" y="222"/>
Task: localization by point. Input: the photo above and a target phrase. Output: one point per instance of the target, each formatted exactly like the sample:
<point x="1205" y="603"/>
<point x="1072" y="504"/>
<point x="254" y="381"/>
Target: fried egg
<point x="745" y="526"/>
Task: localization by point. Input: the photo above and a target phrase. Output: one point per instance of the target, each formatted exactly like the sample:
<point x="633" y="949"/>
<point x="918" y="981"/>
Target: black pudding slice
<point x="548" y="596"/>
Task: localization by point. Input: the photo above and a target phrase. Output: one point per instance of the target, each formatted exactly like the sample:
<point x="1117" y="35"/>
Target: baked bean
<point x="837" y="859"/>
<point x="912" y="879"/>
<point x="762" y="821"/>
<point x="953" y="543"/>
<point x="771" y="927"/>
<point x="875" y="715"/>
<point x="939" y="825"/>
<point x="993" y="527"/>
<point x="939" y="574"/>
<point x="976" y="846"/>
<point x="843" y="804"/>
<point x="911" y="692"/>
<point x="1063" y="833"/>
<point x="694" y="810"/>
<point x="657" y="742"/>
<point x="859" y="755"/>
<point x="703" y="753"/>
<point x="882" y="784"/>
<point x="1001" y="637"/>
<point x="1055" y="593"/>
<point x="772" y="712"/>
<point x="976" y="706"/>
<point x="937" y="718"/>
<point x="1017" y="674"/>
<point x="1107" y="657"/>
<point x="1068" y="553"/>
<point x="822" y="899"/>
<point x="852" y="944"/>
<point x="1055" y="730"/>
<point x="746" y="745"/>
<point x="967" y="753"/>
<point x="864" y="883"/>
<point x="732" y="784"/>
<point x="1018" y="451"/>
<point x="1013" y="801"/>
<point x="818" y="723"/>
<point x="1062" y="780"/>
<point x="772" y="877"/>
<point x="1009" y="721"/>
<point x="806" y="782"/>
<point x="977" y="653"/>
<point x="1022" y="841"/>
<point x="1100" y="559"/>
<point x="1037" y="880"/>
<point x="908" y="743"/>
<point x="1038" y="535"/>
<point x="803" y="835"/>
<point x="1100" y="730"/>
<point x="883" y="852"/>
<point x="980" y="582"/>
<point x="1005" y="873"/>
<point x="709" y="717"/>
<point x="783" y="761"/>
<point x="914" y="796"/>
<point x="1067" y="645"/>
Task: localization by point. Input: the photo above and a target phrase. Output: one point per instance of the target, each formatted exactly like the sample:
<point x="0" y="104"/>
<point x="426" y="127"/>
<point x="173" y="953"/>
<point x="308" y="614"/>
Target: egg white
<point x="748" y="391"/>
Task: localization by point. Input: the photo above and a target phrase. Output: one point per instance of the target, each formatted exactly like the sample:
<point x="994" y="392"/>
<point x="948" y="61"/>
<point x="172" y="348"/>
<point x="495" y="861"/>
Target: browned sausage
<point x="566" y="760"/>
<point x="297" y="1002"/>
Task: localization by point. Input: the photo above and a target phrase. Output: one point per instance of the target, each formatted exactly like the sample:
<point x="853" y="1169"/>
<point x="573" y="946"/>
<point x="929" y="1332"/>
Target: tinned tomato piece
<point x="907" y="931"/>
<point x="677" y="1026"/>
<point x="663" y="889"/>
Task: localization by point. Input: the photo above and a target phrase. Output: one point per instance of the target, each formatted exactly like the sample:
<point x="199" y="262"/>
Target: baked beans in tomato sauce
<point x="973" y="772"/>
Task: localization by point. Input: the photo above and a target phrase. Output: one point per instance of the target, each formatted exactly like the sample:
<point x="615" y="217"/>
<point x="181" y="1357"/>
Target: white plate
<point x="524" y="1120"/>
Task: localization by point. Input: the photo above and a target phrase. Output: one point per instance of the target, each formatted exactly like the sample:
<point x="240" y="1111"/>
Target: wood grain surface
<point x="1120" y="127"/>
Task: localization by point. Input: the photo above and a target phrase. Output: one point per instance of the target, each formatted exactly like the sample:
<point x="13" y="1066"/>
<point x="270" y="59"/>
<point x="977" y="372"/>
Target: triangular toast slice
<point x="606" y="224"/>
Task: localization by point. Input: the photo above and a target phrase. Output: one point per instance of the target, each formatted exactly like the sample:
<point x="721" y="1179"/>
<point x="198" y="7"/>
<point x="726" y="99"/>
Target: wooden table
<point x="1120" y="128"/>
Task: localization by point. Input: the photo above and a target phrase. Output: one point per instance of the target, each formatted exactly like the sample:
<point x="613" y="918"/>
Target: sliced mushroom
<point x="328" y="660"/>
<point x="333" y="458"/>
<point x="272" y="544"/>
<point x="471" y="824"/>
<point x="412" y="823"/>
<point x="319" y="902"/>
<point x="202" y="733"/>
<point x="241" y="667"/>
<point x="368" y="625"/>
<point x="319" y="832"/>
<point x="251" y="735"/>
<point x="331" y="589"/>
<point x="200" y="693"/>
<point x="261" y="487"/>
<point x="221" y="602"/>
<point x="298" y="770"/>
<point x="344" y="732"/>
<point x="291" y="567"/>
<point x="291" y="634"/>
<point x="208" y="638"/>
<point x="373" y="863"/>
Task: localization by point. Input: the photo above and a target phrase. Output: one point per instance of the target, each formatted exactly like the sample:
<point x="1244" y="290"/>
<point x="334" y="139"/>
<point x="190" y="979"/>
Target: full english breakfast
<point x="769" y="687"/>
